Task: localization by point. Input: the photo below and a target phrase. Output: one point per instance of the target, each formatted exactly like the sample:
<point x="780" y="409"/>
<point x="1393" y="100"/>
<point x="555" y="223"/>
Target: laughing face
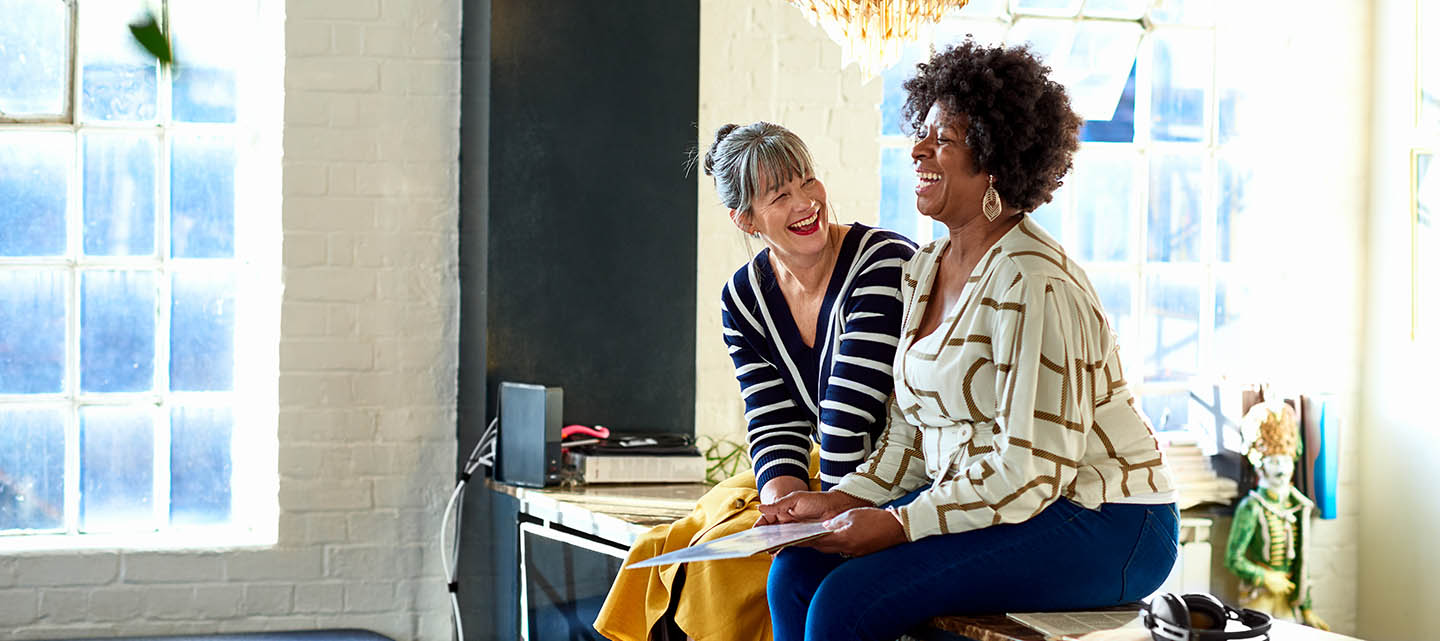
<point x="791" y="217"/>
<point x="949" y="187"/>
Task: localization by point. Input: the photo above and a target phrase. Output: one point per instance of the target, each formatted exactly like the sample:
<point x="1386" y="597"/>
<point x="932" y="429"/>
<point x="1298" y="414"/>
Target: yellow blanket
<point x="719" y="600"/>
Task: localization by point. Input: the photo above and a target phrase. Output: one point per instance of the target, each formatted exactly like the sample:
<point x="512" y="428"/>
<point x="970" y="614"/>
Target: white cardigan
<point x="1015" y="400"/>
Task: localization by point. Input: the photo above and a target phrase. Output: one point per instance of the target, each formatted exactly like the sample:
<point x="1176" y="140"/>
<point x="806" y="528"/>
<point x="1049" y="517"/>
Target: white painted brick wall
<point x="367" y="361"/>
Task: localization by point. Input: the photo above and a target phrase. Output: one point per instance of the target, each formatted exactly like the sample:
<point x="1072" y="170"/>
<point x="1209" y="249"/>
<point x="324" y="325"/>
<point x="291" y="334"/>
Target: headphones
<point x="1200" y="617"/>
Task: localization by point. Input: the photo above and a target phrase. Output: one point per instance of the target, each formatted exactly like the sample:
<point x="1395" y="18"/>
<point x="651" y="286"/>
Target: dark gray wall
<point x="592" y="215"/>
<point x="577" y="235"/>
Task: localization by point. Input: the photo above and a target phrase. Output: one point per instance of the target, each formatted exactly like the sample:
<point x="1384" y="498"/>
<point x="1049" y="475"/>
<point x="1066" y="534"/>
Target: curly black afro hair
<point x="1021" y="127"/>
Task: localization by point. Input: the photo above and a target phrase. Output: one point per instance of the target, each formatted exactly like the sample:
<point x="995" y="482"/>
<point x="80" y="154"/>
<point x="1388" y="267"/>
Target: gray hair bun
<point x="720" y="135"/>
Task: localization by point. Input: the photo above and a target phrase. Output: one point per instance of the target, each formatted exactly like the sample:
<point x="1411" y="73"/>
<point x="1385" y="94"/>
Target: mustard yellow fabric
<point x="719" y="600"/>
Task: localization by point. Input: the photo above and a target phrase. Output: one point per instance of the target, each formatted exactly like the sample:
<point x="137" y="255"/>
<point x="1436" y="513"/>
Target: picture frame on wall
<point x="1425" y="243"/>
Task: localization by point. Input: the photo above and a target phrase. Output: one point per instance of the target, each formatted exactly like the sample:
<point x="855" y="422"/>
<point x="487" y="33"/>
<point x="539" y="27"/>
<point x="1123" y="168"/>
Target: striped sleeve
<point x="777" y="428"/>
<point x="852" y="409"/>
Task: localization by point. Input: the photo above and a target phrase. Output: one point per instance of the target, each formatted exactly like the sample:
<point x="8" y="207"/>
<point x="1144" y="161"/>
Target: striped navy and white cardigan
<point x="834" y="392"/>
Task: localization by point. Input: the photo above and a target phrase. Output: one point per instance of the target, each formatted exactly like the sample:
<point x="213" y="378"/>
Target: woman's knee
<point x="796" y="573"/>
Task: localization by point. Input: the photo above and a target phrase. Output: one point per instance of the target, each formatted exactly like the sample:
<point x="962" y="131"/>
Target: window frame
<point x="254" y="264"/>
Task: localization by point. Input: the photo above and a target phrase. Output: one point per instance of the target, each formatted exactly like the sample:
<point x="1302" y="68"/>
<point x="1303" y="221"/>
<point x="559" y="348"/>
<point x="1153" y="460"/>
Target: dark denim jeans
<point x="1065" y="558"/>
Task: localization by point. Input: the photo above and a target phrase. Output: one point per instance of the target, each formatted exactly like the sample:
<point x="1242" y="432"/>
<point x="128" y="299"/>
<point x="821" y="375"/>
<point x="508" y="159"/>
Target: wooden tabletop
<point x="618" y="513"/>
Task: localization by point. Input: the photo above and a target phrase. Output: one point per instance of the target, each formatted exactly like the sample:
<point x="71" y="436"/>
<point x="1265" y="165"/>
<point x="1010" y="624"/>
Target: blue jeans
<point x="1064" y="558"/>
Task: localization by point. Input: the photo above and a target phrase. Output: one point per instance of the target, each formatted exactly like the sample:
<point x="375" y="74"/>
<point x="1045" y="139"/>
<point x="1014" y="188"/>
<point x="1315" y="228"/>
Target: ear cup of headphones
<point x="1206" y="612"/>
<point x="1168" y="617"/>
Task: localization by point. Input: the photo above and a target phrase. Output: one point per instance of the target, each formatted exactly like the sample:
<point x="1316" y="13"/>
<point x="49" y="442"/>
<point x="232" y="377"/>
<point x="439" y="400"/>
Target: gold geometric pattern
<point x="1027" y="364"/>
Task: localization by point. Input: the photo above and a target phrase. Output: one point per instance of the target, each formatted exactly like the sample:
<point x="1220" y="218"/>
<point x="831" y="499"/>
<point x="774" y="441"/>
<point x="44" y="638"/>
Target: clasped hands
<point x="857" y="527"/>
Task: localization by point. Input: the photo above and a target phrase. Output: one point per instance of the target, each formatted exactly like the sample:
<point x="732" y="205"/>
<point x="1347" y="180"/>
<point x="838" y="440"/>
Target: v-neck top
<point x="833" y="392"/>
<point x="1014" y="401"/>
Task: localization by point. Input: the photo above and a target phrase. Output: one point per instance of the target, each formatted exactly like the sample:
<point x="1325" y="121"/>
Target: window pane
<point x="974" y="26"/>
<point x="32" y="331"/>
<point x="1050" y="40"/>
<point x="207" y="36"/>
<point x="200" y="465"/>
<point x="984" y="8"/>
<point x="117" y="331"/>
<point x="1236" y="78"/>
<point x="1116" y="292"/>
<point x="1121" y="125"/>
<point x="119" y="195"/>
<point x="1171" y="326"/>
<point x="34" y="43"/>
<point x="32" y="469"/>
<point x="1047" y="7"/>
<point x="1051" y="215"/>
<point x="1128" y="9"/>
<point x="33" y="172"/>
<point x="202" y="332"/>
<point x="1167" y="411"/>
<point x="202" y="198"/>
<point x="1177" y="188"/>
<point x="1238" y="328"/>
<point x="117" y="453"/>
<point x="1232" y="203"/>
<point x="118" y="79"/>
<point x="897" y="193"/>
<point x="893" y="99"/>
<point x="1091" y="58"/>
<point x="1098" y="65"/>
<point x="1181" y="83"/>
<point x="1103" y="184"/>
<point x="1190" y="12"/>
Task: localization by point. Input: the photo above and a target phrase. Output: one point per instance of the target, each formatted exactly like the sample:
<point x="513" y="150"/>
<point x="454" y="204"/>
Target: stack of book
<point x="637" y="458"/>
<point x="1198" y="483"/>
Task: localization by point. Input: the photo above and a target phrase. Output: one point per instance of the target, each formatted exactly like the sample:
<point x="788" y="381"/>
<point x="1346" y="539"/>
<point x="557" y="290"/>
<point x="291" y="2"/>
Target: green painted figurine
<point x="1268" y="538"/>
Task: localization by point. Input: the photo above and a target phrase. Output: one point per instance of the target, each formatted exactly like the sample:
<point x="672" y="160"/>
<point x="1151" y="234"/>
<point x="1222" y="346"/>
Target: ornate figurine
<point x="1268" y="538"/>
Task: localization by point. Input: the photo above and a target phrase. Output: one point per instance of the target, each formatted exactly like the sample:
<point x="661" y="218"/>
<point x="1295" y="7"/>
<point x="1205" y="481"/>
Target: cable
<point x="483" y="455"/>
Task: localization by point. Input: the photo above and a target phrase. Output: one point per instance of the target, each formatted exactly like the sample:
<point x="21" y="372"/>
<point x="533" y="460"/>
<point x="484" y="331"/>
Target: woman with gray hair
<point x="811" y="323"/>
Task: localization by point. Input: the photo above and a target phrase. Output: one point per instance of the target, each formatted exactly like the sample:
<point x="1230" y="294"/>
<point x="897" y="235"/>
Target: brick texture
<point x="369" y="215"/>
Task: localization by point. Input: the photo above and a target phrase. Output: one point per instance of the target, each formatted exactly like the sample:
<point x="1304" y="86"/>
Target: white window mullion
<point x="74" y="224"/>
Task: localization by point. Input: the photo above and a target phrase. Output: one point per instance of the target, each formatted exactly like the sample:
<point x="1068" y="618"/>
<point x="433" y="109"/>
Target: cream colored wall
<point x="761" y="60"/>
<point x="1399" y="561"/>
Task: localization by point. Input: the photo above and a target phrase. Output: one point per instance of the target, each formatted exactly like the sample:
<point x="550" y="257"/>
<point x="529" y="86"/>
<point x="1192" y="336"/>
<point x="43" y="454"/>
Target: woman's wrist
<point x="780" y="486"/>
<point x="854" y="500"/>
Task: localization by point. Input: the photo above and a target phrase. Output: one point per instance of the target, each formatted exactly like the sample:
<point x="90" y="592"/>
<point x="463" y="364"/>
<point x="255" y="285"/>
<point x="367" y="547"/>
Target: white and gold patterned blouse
<point x="1014" y="401"/>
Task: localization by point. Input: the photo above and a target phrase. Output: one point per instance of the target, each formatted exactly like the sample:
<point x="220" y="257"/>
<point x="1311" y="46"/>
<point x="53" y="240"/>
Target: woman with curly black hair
<point x="1016" y="473"/>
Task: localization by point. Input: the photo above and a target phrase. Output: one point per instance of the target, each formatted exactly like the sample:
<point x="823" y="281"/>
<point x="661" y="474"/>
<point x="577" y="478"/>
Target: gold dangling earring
<point x="991" y="203"/>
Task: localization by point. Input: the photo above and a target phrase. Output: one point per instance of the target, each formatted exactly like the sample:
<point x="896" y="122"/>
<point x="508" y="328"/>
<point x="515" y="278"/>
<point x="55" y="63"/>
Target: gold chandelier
<point x="873" y="33"/>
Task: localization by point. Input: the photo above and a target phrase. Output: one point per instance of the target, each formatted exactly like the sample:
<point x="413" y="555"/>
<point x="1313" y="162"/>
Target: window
<point x="129" y="274"/>
<point x="1156" y="205"/>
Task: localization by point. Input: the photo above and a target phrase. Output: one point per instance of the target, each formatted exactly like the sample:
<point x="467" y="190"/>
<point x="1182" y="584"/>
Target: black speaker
<point x="529" y="435"/>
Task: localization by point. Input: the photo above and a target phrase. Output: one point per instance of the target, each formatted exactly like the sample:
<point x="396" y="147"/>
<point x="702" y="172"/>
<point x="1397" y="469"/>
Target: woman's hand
<point x="775" y="489"/>
<point x="860" y="531"/>
<point x="810" y="506"/>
